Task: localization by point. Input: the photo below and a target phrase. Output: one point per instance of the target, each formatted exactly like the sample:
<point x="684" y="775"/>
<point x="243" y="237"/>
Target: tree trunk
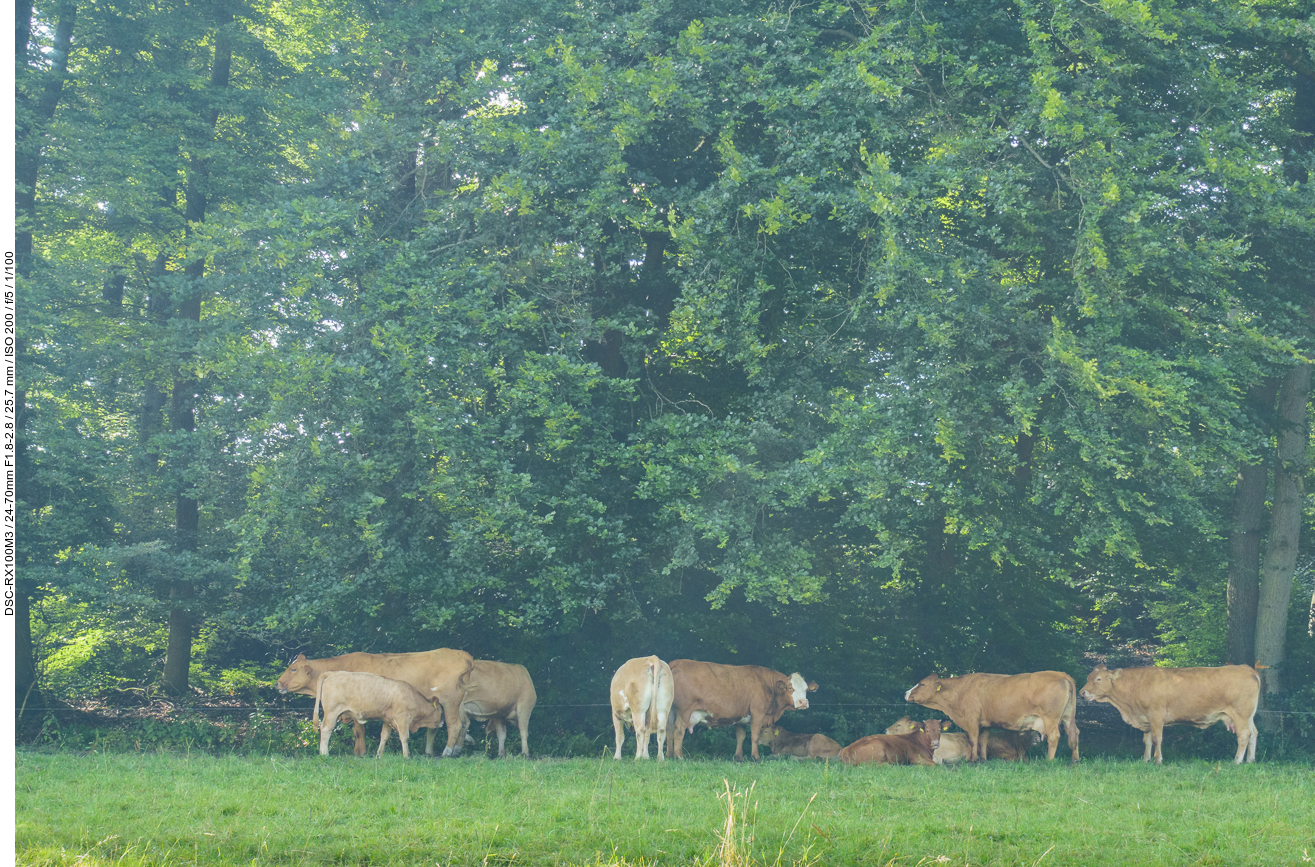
<point x="178" y="654"/>
<point x="29" y="132"/>
<point x="25" y="667"/>
<point x="1284" y="529"/>
<point x="1245" y="537"/>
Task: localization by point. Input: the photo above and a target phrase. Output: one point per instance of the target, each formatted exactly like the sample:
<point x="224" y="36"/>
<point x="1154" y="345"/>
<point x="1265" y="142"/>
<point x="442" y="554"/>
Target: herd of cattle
<point x="1001" y="715"/>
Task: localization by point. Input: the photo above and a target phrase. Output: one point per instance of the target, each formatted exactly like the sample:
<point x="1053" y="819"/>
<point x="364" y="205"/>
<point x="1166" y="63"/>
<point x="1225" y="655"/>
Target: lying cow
<point x="359" y="696"/>
<point x="1038" y="701"/>
<point x="738" y="695"/>
<point x="914" y="748"/>
<point x="436" y="673"/>
<point x="784" y="743"/>
<point x="1000" y="744"/>
<point x="497" y="693"/>
<point x="642" y="691"/>
<point x="1151" y="698"/>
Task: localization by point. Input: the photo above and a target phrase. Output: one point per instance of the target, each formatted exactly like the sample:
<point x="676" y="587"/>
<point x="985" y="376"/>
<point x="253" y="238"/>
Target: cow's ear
<point x="1114" y="675"/>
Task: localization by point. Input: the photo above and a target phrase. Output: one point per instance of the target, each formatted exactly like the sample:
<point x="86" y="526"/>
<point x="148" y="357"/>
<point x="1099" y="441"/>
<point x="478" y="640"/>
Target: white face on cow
<point x="799" y="691"/>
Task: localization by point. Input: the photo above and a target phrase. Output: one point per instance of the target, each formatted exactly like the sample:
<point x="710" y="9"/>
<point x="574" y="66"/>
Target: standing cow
<point x="913" y="748"/>
<point x="496" y="692"/>
<point x="642" y="691"/>
<point x="1038" y="701"/>
<point x="436" y="673"/>
<point x="1151" y="698"/>
<point x="738" y="695"/>
<point x="359" y="696"/>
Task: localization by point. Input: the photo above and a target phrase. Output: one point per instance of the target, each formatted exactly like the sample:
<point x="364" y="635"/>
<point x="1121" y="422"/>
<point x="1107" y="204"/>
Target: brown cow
<point x="914" y="748"/>
<point x="784" y="743"/>
<point x="435" y="673"/>
<point x="1038" y="701"/>
<point x="359" y="696"/>
<point x="1151" y="698"/>
<point x="497" y="693"/>
<point x="642" y="691"/>
<point x="722" y="695"/>
<point x="1000" y="744"/>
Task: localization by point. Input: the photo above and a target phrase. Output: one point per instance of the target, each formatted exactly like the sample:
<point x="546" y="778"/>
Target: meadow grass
<point x="170" y="808"/>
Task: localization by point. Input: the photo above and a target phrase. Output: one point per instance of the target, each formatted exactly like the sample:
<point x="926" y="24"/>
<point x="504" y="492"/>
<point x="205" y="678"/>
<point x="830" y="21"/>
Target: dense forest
<point x="864" y="340"/>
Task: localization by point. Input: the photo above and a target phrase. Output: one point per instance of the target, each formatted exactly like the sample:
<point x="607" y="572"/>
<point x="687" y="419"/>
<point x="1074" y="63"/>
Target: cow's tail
<point x="655" y="678"/>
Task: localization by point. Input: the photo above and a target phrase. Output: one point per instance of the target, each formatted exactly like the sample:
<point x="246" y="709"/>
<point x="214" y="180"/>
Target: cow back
<point x="498" y="688"/>
<point x="727" y="692"/>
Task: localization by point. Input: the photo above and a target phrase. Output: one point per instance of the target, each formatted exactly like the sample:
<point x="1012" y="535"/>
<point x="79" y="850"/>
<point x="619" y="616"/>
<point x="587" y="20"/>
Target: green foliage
<point x="863" y="341"/>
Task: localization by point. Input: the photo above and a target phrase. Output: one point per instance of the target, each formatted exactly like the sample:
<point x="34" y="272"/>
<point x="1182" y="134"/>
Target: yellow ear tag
<point x="938" y="687"/>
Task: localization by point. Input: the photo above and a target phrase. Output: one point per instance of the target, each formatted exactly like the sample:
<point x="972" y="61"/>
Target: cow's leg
<point x="500" y="726"/>
<point x="384" y="734"/>
<point x="1052" y="738"/>
<point x="404" y="735"/>
<point x="739" y="743"/>
<point x="1149" y="747"/>
<point x="661" y="731"/>
<point x="430" y="734"/>
<point x="456" y="734"/>
<point x="1251" y="743"/>
<point x="1071" y="732"/>
<point x="1157" y="735"/>
<point x="523" y="723"/>
<point x="984" y="743"/>
<point x="972" y="730"/>
<point x="676" y="733"/>
<point x="1243" y="738"/>
<point x="620" y="729"/>
<point x="755" y="729"/>
<point x="326" y="731"/>
<point x="641" y="736"/>
<point x="358" y="732"/>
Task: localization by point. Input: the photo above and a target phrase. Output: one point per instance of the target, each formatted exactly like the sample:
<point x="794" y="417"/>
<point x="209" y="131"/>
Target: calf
<point x="360" y="696"/>
<point x="1037" y="701"/>
<point x="915" y="748"/>
<point x="433" y="672"/>
<point x="1000" y="743"/>
<point x="784" y="743"/>
<point x="1151" y="698"/>
<point x="642" y="692"/>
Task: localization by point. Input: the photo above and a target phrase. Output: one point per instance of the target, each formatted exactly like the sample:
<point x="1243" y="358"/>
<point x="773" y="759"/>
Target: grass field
<point x="172" y="808"/>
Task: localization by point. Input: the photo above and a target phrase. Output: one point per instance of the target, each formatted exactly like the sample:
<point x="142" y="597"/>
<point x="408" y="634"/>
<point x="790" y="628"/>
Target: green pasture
<point x="179" y="808"/>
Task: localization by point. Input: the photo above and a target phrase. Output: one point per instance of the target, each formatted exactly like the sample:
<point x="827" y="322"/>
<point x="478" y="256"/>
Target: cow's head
<point x="798" y="689"/>
<point x="933" y="729"/>
<point x="902" y="726"/>
<point x="299" y="677"/>
<point x="924" y="690"/>
<point x="769" y="735"/>
<point x="1100" y="683"/>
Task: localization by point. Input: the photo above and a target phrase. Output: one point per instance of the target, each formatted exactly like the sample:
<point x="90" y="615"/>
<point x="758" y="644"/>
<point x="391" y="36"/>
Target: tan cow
<point x="1151" y="698"/>
<point x="1000" y="744"/>
<point x="1038" y="701"/>
<point x="642" y="691"/>
<point x="799" y="746"/>
<point x="497" y="693"/>
<point x="436" y="673"/>
<point x="914" y="748"/>
<point x="738" y="695"/>
<point x="359" y="696"/>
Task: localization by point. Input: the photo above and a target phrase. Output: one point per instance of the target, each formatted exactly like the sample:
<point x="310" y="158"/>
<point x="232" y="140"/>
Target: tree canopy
<point x="861" y="339"/>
